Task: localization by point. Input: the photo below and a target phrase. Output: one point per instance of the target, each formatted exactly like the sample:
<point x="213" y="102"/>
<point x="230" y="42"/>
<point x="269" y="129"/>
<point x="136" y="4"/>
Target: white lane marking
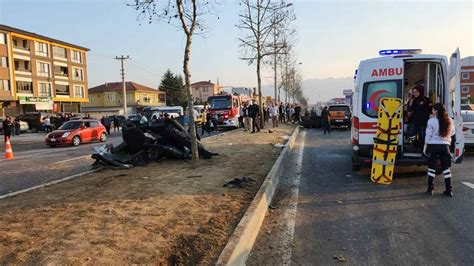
<point x="61" y="150"/>
<point x="47" y="184"/>
<point x="471" y="185"/>
<point x="290" y="213"/>
<point x="72" y="159"/>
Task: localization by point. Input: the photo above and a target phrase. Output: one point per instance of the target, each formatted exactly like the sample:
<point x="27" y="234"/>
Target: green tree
<point x="173" y="85"/>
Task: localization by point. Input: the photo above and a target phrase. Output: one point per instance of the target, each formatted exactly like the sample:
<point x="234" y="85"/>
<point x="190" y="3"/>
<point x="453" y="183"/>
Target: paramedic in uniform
<point x="419" y="111"/>
<point x="439" y="131"/>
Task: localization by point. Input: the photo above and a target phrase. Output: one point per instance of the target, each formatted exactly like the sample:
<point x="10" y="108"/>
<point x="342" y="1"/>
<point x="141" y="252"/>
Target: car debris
<point x="147" y="143"/>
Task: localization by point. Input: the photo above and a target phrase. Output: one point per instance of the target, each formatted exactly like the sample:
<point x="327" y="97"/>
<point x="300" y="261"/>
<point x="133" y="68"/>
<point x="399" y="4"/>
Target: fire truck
<point x="227" y="109"/>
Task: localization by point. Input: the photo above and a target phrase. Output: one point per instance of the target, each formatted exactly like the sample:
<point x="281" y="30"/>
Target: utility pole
<point x="122" y="73"/>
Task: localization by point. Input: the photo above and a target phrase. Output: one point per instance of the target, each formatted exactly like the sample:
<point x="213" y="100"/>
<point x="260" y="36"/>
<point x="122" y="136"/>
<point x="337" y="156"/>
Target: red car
<point x="76" y="132"/>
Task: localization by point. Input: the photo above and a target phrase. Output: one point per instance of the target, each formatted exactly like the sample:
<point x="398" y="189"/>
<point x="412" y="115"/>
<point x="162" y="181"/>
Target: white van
<point x="393" y="75"/>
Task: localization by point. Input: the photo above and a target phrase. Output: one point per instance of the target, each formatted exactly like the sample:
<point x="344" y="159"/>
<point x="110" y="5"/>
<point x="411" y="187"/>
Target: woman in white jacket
<point x="439" y="130"/>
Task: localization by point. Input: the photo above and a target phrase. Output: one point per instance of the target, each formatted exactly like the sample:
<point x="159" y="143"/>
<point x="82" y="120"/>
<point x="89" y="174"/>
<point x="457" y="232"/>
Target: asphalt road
<point x="324" y="214"/>
<point x="36" y="164"/>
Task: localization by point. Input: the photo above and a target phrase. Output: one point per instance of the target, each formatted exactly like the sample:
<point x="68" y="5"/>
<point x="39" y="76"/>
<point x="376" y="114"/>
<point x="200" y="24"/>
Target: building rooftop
<point x="117" y="86"/>
<point x="35" y="35"/>
<point x="208" y="82"/>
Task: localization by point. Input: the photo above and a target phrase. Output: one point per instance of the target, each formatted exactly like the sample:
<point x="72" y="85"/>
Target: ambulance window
<point x="374" y="91"/>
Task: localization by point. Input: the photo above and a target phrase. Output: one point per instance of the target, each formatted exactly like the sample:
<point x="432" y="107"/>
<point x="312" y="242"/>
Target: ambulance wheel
<point x="356" y="167"/>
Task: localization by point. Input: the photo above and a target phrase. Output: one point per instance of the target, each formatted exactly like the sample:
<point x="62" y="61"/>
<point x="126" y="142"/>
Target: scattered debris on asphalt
<point x="340" y="258"/>
<point x="240" y="182"/>
<point x="271" y="206"/>
<point x="339" y="201"/>
<point x="285" y="137"/>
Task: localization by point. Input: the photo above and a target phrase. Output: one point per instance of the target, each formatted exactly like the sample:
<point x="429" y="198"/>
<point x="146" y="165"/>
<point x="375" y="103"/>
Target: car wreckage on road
<point x="162" y="139"/>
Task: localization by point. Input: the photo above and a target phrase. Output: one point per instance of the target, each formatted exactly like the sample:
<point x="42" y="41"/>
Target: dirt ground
<point x="169" y="212"/>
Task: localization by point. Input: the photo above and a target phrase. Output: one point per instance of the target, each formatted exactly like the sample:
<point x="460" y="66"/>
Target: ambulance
<point x="394" y="74"/>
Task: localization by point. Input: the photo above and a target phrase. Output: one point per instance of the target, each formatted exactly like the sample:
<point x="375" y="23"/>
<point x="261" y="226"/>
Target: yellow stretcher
<point x="386" y="140"/>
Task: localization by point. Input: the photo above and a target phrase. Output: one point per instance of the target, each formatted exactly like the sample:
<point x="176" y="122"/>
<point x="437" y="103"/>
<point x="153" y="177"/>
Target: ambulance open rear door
<point x="454" y="104"/>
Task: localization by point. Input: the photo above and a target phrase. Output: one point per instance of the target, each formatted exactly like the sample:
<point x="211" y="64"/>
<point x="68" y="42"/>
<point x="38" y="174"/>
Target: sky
<point x="332" y="37"/>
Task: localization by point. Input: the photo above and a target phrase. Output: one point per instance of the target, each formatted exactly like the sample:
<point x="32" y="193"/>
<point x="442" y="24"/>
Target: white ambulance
<point x="394" y="74"/>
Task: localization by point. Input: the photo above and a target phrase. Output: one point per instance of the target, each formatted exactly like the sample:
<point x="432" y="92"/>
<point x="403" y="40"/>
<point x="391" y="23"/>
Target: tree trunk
<point x="259" y="84"/>
<point x="187" y="81"/>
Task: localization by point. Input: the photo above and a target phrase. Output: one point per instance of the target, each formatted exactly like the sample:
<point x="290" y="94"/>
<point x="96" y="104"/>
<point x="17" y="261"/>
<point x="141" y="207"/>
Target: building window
<point x="22" y="44"/>
<point x="76" y="57"/>
<point x="91" y="99"/>
<point x="61" y="89"/>
<point x="77" y="74"/>
<point x="129" y="97"/>
<point x="21" y="65"/>
<point x="60" y="71"/>
<point x="44" y="89"/>
<point x="42" y="49"/>
<point x="59" y="52"/>
<point x="465" y="75"/>
<point x="111" y="97"/>
<point x="43" y="69"/>
<point x="3" y="38"/>
<point x="465" y="89"/>
<point x="78" y="91"/>
<point x="4" y="85"/>
<point x="205" y="89"/>
<point x="3" y="61"/>
<point x="24" y="87"/>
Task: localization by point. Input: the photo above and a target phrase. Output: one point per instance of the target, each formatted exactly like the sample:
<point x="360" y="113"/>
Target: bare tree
<point x="258" y="20"/>
<point x="187" y="16"/>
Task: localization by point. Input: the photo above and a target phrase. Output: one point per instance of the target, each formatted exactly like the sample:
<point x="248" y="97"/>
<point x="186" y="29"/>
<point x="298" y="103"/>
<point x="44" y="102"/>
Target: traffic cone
<point x="8" y="150"/>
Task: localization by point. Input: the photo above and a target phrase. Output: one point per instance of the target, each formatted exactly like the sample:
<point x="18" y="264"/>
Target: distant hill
<point x="319" y="89"/>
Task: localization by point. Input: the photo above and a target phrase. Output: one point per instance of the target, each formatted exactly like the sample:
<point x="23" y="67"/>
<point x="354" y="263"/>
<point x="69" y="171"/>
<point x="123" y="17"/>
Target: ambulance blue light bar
<point x="399" y="51"/>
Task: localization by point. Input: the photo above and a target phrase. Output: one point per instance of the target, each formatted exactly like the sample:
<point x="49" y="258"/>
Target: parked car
<point x="135" y="119"/>
<point x="23" y="126"/>
<point x="468" y="128"/>
<point x="76" y="132"/>
<point x="35" y="121"/>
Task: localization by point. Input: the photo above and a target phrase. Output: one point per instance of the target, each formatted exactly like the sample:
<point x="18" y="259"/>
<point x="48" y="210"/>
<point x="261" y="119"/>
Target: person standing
<point x="274" y="115"/>
<point x="325" y="118"/>
<point x="47" y="124"/>
<point x="17" y="126"/>
<point x="297" y="114"/>
<point x="205" y="123"/>
<point x="116" y="124"/>
<point x="106" y="123"/>
<point x="419" y="111"/>
<point x="281" y="112"/>
<point x="439" y="132"/>
<point x="254" y="111"/>
<point x="7" y="127"/>
<point x="247" y="119"/>
<point x="241" y="117"/>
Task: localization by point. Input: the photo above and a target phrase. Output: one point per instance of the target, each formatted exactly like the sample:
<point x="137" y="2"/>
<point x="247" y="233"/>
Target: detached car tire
<point x="103" y="137"/>
<point x="76" y="140"/>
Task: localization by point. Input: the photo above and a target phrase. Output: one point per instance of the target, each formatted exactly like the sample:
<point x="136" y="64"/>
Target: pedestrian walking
<point x="47" y="124"/>
<point x="7" y="127"/>
<point x="273" y="110"/>
<point x="241" y="117"/>
<point x="325" y="120"/>
<point x="106" y="123"/>
<point x="247" y="119"/>
<point x="254" y="112"/>
<point x="439" y="131"/>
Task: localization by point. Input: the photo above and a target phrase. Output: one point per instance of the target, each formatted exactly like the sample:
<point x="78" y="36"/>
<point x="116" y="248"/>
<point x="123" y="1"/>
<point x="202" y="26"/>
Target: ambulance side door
<point x="454" y="103"/>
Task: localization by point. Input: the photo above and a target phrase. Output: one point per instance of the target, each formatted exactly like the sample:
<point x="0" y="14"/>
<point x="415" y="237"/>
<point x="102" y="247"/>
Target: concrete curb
<point x="241" y="242"/>
<point x="46" y="184"/>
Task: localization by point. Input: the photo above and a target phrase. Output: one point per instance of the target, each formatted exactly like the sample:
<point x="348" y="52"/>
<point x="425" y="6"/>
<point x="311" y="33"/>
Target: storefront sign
<point x="35" y="100"/>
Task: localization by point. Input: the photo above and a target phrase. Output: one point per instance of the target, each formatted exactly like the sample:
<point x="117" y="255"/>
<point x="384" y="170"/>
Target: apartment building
<point x="203" y="89"/>
<point x="40" y="74"/>
<point x="467" y="80"/>
<point x="107" y="99"/>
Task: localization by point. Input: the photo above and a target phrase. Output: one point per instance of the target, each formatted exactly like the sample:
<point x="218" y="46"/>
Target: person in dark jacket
<point x="105" y="121"/>
<point x="325" y="118"/>
<point x="254" y="111"/>
<point x="419" y="111"/>
<point x="7" y="127"/>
